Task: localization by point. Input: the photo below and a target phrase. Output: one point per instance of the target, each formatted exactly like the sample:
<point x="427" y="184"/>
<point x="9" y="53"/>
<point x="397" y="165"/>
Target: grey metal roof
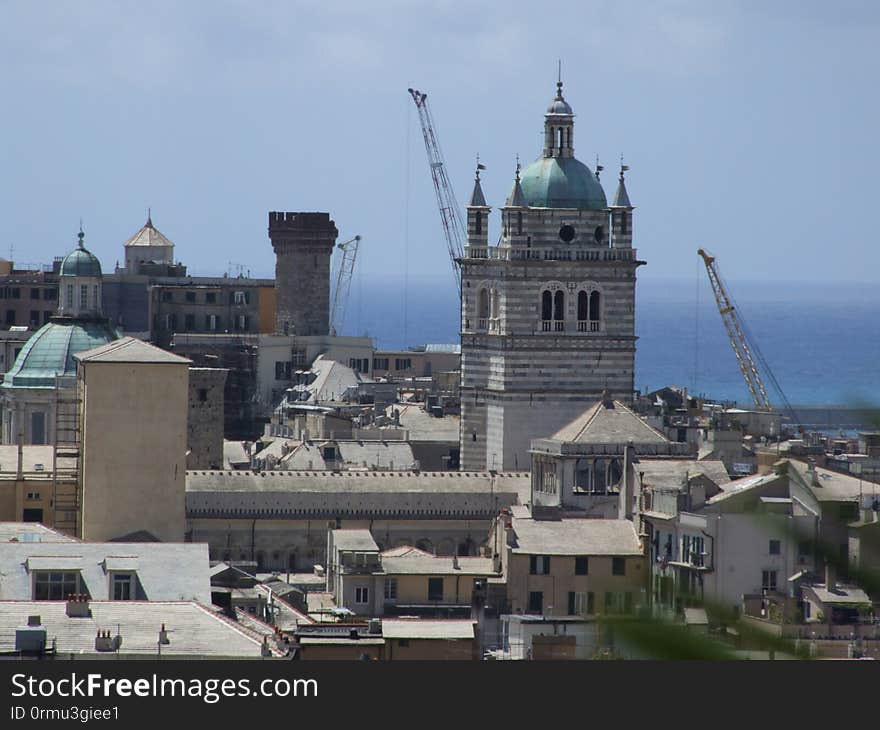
<point x="149" y="235"/>
<point x="621" y="198"/>
<point x="422" y="426"/>
<point x="325" y="495"/>
<point x="194" y="630"/>
<point x="671" y="473"/>
<point x="575" y="537"/>
<point x="427" y="629"/>
<point x="165" y="571"/>
<point x="839" y="594"/>
<point x="130" y="349"/>
<point x="360" y="540"/>
<point x="419" y="562"/>
<point x="516" y="198"/>
<point x="829" y="486"/>
<point x="478" y="200"/>
<point x="31" y="532"/>
<point x="601" y="424"/>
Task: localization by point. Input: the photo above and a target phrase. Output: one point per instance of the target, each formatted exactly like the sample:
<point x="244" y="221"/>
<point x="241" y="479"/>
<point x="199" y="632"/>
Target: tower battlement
<point x="303" y="244"/>
<point x="281" y="221"/>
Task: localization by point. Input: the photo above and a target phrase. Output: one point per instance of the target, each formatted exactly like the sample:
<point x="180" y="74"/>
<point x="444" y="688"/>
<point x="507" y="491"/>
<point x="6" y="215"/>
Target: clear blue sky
<point x="750" y="127"/>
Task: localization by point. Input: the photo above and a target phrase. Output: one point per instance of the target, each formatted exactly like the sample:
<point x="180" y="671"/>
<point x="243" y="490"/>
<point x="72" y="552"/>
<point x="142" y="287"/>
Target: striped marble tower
<point x="547" y="315"/>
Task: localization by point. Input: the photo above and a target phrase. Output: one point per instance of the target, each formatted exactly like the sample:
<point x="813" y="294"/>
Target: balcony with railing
<point x="588" y="325"/>
<point x="499" y="253"/>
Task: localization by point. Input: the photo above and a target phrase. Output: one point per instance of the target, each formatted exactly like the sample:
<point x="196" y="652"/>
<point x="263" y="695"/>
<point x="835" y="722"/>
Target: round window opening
<point x="566" y="233"/>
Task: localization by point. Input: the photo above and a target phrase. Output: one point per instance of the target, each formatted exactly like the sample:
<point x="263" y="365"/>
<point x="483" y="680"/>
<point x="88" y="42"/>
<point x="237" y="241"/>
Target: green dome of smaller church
<point x="50" y="350"/>
<point x="561" y="182"/>
<point x="80" y="262"/>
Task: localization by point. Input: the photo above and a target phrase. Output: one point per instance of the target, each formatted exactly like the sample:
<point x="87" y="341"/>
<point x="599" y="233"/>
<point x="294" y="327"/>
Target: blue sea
<point x="822" y="341"/>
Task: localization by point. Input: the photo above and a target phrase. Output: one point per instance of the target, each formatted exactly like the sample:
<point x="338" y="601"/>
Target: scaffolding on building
<point x="66" y="457"/>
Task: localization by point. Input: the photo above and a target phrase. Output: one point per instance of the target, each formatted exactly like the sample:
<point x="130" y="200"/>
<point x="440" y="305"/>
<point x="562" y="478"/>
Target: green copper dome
<point x="561" y="182"/>
<point x="81" y="261"/>
<point x="49" y="352"/>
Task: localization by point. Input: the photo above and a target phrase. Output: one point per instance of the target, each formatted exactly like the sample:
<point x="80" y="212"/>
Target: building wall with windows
<point x="28" y="298"/>
<point x="565" y="590"/>
<point x="209" y="305"/>
<point x="413" y="363"/>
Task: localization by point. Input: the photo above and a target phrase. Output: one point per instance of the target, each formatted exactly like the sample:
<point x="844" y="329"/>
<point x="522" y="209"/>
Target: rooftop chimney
<point x="830" y="575"/>
<point x="78" y="606"/>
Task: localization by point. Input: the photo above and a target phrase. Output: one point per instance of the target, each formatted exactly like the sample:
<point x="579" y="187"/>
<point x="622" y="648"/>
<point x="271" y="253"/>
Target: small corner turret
<point x="621" y="213"/>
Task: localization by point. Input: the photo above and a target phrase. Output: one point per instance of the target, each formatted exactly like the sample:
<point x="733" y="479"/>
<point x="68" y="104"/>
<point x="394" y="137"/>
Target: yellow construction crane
<point x="743" y="346"/>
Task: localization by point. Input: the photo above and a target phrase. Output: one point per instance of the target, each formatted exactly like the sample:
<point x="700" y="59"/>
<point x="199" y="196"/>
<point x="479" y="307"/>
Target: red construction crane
<point x="450" y="215"/>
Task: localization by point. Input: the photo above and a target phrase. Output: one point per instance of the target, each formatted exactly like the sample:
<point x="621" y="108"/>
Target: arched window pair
<point x="553" y="311"/>
<point x="487" y="308"/>
<point x="589" y="311"/>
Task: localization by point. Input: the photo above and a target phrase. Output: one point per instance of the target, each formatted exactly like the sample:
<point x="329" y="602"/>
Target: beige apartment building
<point x="571" y="567"/>
<point x="134" y="436"/>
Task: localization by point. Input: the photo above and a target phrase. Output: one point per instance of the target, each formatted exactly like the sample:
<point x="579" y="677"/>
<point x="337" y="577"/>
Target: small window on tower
<point x="566" y="233"/>
<point x="599" y="234"/>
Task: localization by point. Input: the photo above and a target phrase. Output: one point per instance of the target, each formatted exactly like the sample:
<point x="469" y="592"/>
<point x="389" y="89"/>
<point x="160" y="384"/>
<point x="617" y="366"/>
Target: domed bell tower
<point x="548" y="315"/>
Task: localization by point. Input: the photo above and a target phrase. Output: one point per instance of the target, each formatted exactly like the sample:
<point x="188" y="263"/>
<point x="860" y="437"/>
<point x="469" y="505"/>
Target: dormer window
<point x="123" y="586"/>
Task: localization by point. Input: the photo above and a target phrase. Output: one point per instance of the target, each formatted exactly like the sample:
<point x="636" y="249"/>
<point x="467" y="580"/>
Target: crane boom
<point x="349" y="251"/>
<point x="735" y="334"/>
<point x="450" y="216"/>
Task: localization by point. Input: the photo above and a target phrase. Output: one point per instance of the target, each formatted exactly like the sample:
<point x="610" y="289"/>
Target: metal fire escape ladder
<point x="735" y="334"/>
<point x="66" y="456"/>
<point x="453" y="228"/>
<point x="344" y="275"/>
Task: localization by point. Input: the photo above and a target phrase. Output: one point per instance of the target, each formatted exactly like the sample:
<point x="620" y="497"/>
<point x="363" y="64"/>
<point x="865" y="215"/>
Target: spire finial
<point x="599" y="167"/>
<point x="149" y="217"/>
<point x="559" y="81"/>
<point x="480" y="166"/>
<point x="517" y="167"/>
<point x="81" y="235"/>
<point x="623" y="168"/>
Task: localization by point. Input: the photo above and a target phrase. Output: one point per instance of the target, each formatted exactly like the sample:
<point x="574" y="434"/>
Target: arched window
<point x="623" y="223"/>
<point x="561" y="136"/>
<point x="546" y="309"/>
<point x="595" y="310"/>
<point x="493" y="304"/>
<point x="478" y="223"/>
<point x="519" y="222"/>
<point x="483" y="309"/>
<point x="559" y="310"/>
<point x="583" y="309"/>
<point x="599" y="234"/>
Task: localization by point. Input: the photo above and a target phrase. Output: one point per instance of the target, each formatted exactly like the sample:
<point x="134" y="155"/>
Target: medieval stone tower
<point x="548" y="314"/>
<point x="303" y="244"/>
